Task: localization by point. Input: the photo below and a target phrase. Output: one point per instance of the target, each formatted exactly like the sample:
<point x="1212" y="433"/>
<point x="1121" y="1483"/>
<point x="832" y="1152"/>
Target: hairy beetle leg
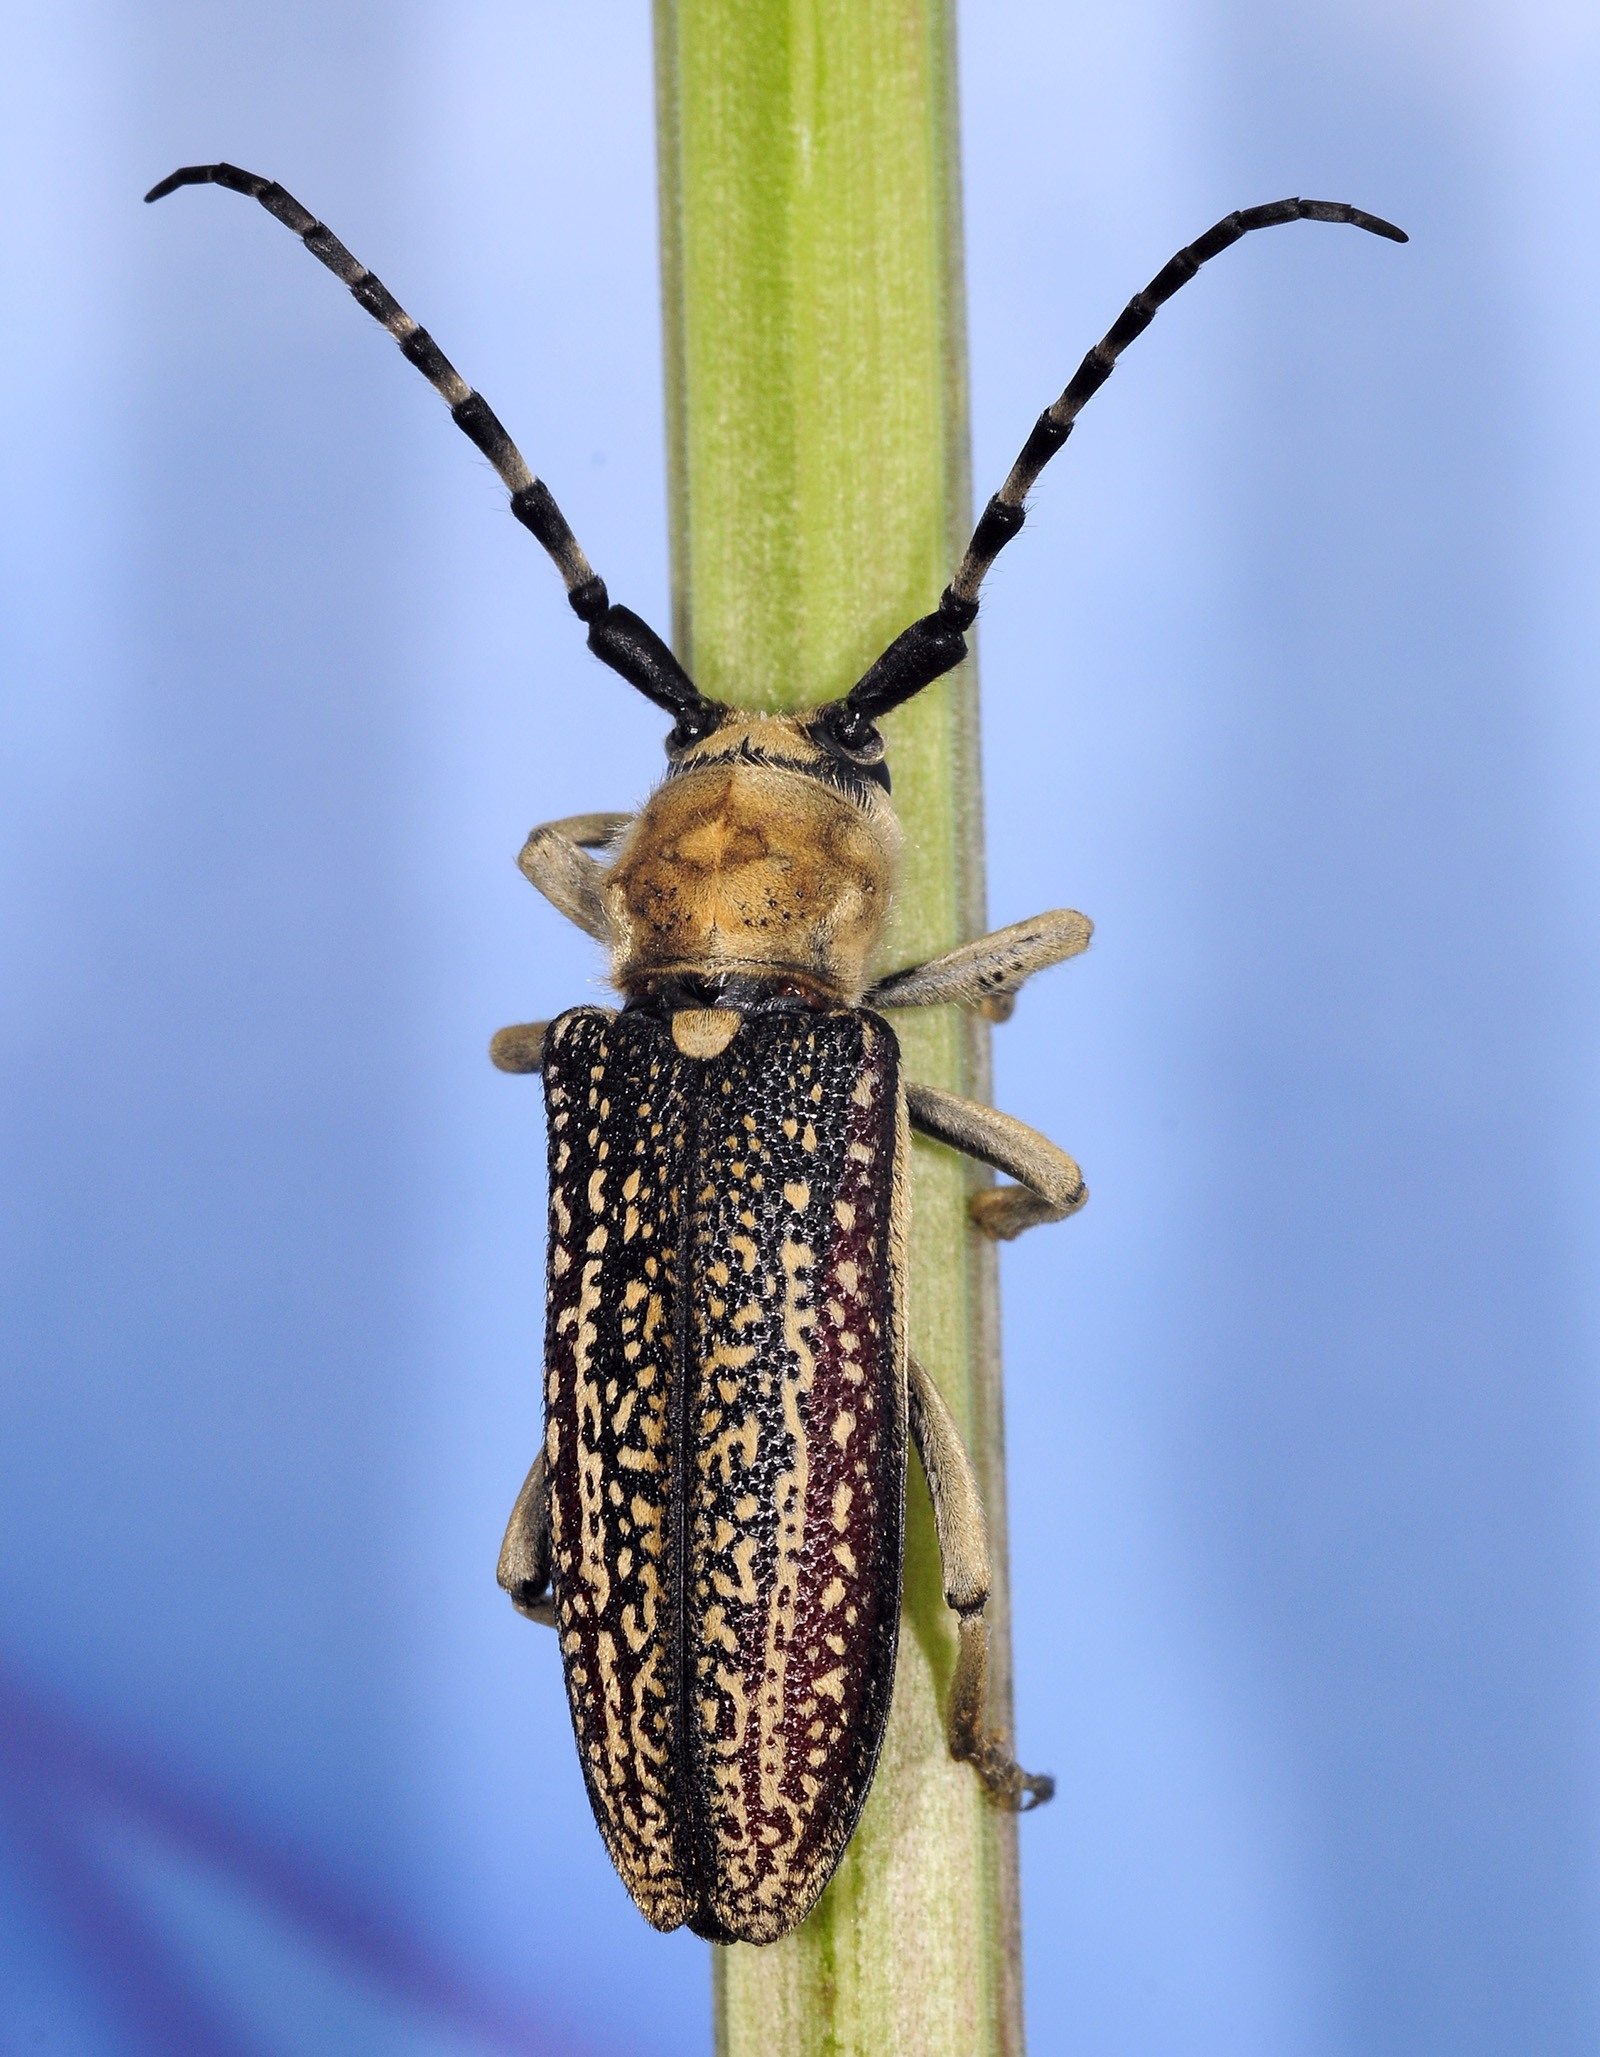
<point x="1050" y="1185"/>
<point x="524" y="1567"/>
<point x="988" y="973"/>
<point x="520" y="1047"/>
<point x="555" y="859"/>
<point x="964" y="1553"/>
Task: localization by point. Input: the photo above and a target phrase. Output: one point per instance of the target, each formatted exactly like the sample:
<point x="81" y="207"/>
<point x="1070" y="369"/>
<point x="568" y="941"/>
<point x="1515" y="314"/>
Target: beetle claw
<point x="1011" y="1788"/>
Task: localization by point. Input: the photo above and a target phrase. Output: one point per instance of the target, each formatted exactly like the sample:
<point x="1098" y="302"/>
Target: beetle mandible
<point x="714" y="1521"/>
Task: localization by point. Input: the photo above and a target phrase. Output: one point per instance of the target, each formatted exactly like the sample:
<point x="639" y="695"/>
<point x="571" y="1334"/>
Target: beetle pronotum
<point x="714" y="1521"/>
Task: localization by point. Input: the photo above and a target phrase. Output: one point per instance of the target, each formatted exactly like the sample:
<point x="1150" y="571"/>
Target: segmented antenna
<point x="617" y="636"/>
<point x="936" y="643"/>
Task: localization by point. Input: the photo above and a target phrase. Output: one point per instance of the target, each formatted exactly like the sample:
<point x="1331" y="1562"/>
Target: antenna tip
<point x="1379" y="227"/>
<point x="188" y="175"/>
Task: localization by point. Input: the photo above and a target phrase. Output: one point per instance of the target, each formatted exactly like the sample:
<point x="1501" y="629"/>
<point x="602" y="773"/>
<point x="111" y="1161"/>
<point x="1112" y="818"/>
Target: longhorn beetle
<point x="714" y="1521"/>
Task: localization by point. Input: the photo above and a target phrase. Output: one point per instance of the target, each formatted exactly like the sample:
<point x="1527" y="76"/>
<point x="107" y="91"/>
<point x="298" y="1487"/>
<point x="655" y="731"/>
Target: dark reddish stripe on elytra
<point x="874" y="1523"/>
<point x="850" y="1689"/>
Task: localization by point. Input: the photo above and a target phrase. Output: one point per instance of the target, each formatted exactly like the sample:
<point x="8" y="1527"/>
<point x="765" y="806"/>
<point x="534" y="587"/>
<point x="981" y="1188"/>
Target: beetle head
<point x="768" y="851"/>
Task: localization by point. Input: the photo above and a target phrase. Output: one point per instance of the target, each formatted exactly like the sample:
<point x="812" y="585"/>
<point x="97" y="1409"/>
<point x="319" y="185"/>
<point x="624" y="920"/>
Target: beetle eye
<point x="846" y="734"/>
<point x="691" y="727"/>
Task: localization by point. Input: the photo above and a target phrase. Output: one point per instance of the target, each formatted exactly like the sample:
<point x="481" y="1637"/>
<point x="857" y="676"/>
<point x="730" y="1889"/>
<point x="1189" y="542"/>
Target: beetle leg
<point x="553" y="859"/>
<point x="524" y="1567"/>
<point x="964" y="1553"/>
<point x="520" y="1047"/>
<point x="987" y="974"/>
<point x="1050" y="1185"/>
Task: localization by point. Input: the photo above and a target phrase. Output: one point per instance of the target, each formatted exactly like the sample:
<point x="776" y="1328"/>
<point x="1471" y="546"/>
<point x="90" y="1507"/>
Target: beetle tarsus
<point x="1012" y="1789"/>
<point x="1050" y="1185"/>
<point x="971" y="1742"/>
<point x="523" y="1572"/>
<point x="964" y="1554"/>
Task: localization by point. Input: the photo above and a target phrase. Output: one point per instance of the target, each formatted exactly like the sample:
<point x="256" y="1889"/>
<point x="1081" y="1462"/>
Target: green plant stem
<point x="820" y="500"/>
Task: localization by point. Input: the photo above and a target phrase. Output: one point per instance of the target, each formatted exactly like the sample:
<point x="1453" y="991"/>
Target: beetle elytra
<point x="714" y="1522"/>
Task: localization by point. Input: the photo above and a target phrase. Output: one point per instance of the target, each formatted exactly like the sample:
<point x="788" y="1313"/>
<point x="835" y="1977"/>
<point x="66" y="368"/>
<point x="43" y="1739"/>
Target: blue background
<point x="1290" y="685"/>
